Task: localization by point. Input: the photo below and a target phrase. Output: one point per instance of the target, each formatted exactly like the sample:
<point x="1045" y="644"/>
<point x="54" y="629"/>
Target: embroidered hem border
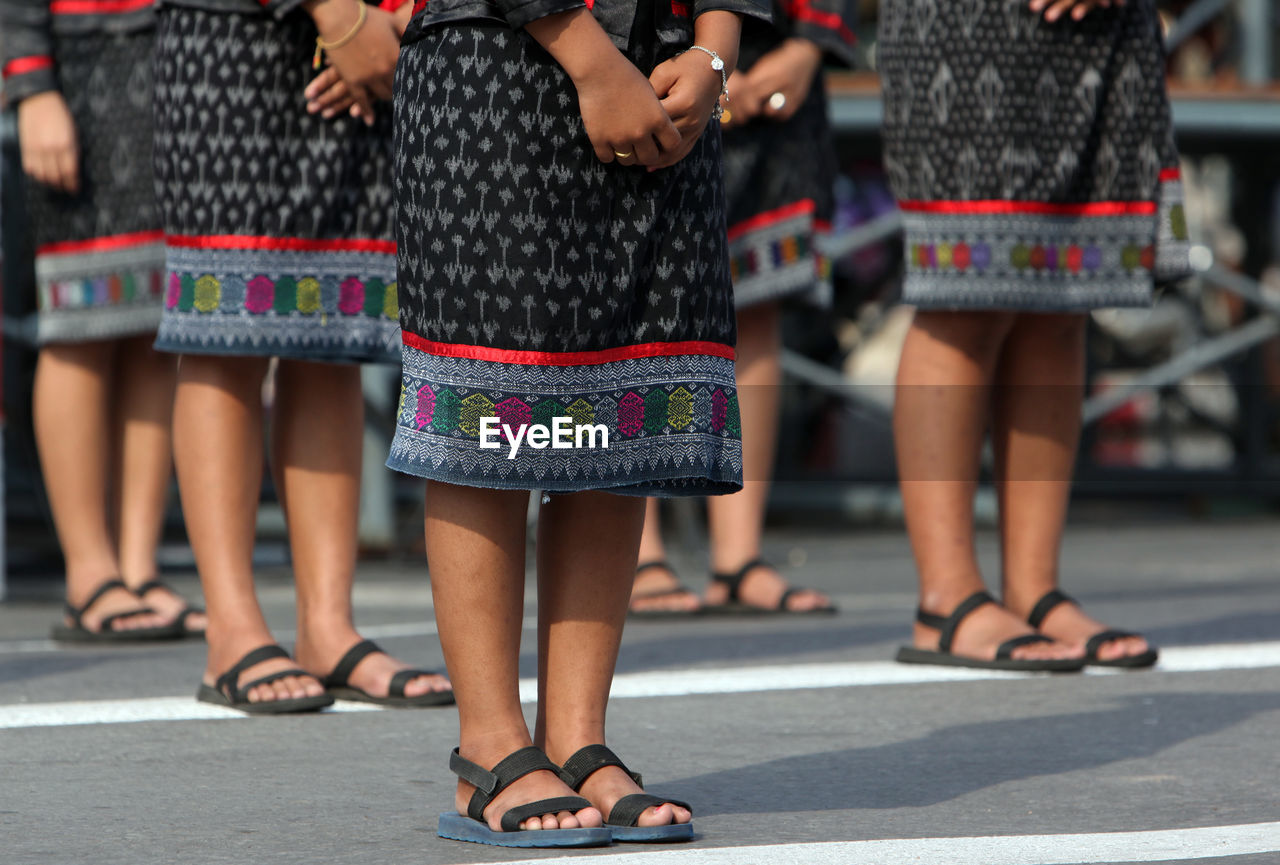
<point x="321" y="305"/>
<point x="775" y="261"/>
<point x="672" y="422"/>
<point x="90" y="324"/>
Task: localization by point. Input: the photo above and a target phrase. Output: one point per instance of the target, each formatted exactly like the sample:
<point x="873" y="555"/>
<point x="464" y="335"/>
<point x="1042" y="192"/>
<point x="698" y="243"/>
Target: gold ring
<point x="622" y="155"/>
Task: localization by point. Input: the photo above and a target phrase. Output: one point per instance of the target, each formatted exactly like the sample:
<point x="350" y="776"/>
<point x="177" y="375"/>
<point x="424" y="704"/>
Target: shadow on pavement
<point x="955" y="761"/>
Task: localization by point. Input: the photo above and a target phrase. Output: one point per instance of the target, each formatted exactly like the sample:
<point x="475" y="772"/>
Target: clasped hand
<point x="653" y="122"/>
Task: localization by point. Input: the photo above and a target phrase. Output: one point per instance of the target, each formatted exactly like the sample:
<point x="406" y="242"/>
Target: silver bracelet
<point x="718" y="65"/>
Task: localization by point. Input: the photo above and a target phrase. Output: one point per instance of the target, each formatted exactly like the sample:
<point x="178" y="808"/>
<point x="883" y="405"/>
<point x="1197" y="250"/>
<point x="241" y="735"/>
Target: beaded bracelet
<point x="322" y="46"/>
<point x="718" y="65"/>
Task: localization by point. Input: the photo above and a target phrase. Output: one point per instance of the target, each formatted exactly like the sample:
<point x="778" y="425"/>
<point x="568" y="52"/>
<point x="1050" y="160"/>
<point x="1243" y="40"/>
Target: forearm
<point x="720" y="32"/>
<point x="576" y="41"/>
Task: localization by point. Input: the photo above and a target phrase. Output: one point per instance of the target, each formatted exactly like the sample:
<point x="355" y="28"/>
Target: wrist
<point x="333" y="16"/>
<point x="719" y="31"/>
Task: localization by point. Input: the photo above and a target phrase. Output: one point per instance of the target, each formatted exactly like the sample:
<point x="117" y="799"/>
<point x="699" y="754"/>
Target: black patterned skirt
<point x="778" y="184"/>
<point x="100" y="252"/>
<point x="1034" y="163"/>
<point x="278" y="223"/>
<point x="540" y="288"/>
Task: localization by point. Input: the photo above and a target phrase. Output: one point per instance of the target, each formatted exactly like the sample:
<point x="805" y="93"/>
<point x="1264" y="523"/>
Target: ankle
<point x="943" y="596"/>
<point x="1019" y="599"/>
<point x="564" y="744"/>
<point x="494" y="744"/>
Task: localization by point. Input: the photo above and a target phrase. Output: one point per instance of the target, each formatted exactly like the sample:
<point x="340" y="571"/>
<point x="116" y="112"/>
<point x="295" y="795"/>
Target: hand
<point x="689" y="89"/>
<point x="401" y="18"/>
<point x="367" y="63"/>
<point x="788" y="69"/>
<point x="639" y="134"/>
<point x="1055" y="9"/>
<point x="328" y="95"/>
<point x="47" y="137"/>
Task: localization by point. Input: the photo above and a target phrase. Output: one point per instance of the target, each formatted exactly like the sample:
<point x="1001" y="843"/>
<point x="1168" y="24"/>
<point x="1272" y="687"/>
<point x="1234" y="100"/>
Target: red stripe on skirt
<point x="770" y="217"/>
<point x="567" y="358"/>
<point x="101" y="244"/>
<point x="1039" y="208"/>
<point x="280" y="244"/>
<point x="96" y="7"/>
<point x="23" y="65"/>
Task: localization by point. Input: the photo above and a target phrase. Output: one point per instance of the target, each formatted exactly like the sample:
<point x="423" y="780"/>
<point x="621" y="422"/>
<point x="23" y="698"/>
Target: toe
<point x="566" y="820"/>
<point x="426" y="685"/>
<point x="658" y="815"/>
<point x="589" y="818"/>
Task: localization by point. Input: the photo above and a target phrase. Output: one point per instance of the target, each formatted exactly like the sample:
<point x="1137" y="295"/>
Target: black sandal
<point x="627" y="810"/>
<point x="735" y="605"/>
<point x="1054" y="597"/>
<point x="228" y="691"/>
<point x="1004" y="660"/>
<point x="182" y="616"/>
<point x="489" y="783"/>
<point x="337" y="684"/>
<point x="677" y="589"/>
<point x="76" y="632"/>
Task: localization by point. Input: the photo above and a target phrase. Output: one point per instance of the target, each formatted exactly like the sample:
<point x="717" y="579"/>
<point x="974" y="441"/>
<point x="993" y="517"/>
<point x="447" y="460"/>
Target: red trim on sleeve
<point x="1038" y="208"/>
<point x="97" y="7"/>
<point x="24" y="65"/>
<point x="679" y="9"/>
<point x="392" y="5"/>
<point x="567" y="358"/>
<point x="1167" y="174"/>
<point x="800" y="10"/>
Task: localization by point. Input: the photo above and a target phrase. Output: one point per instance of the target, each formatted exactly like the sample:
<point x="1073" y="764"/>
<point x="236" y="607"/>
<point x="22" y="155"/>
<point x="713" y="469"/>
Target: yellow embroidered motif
<point x="680" y="409"/>
<point x="474" y="408"/>
<point x="208" y="294"/>
<point x="308" y="295"/>
<point x="390" y="304"/>
<point x="581" y="412"/>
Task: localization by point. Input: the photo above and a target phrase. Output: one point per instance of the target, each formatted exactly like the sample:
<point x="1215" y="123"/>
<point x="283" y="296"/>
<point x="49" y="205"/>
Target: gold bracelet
<point x="322" y="46"/>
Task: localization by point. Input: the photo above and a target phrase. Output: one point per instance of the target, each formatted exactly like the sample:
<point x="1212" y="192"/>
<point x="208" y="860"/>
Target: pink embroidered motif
<point x="175" y="292"/>
<point x="351" y="297"/>
<point x="259" y="295"/>
<point x="630" y="414"/>
<point x="513" y="412"/>
<point x="719" y="411"/>
<point x="426" y="406"/>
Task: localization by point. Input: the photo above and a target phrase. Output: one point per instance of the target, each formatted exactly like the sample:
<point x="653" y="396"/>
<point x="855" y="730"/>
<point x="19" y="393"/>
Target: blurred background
<point x="1184" y="399"/>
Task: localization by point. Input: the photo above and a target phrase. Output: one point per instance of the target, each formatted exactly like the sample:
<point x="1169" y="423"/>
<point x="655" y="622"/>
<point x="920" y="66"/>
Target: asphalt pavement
<point x="796" y="738"/>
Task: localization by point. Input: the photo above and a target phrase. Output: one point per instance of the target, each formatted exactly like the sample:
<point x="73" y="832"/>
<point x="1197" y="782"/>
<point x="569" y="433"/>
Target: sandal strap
<point x="1052" y="600"/>
<point x="404" y="677"/>
<point x="152" y="584"/>
<point x="347" y="664"/>
<point x="627" y="810"/>
<point x="105" y="624"/>
<point x="512" y="819"/>
<point x="734" y="580"/>
<point x="656" y="563"/>
<point x="242" y="693"/>
<point x="1097" y="641"/>
<point x="588" y="760"/>
<point x="76" y="612"/>
<point x="227" y="682"/>
<point x="946" y="625"/>
<point x="1004" y="652"/>
<point x="490" y="782"/>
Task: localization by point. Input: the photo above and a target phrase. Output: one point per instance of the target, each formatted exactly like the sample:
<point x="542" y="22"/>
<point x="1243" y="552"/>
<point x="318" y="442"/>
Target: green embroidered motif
<point x="655" y="410"/>
<point x="187" y="296"/>
<point x="286" y="298"/>
<point x="448" y="411"/>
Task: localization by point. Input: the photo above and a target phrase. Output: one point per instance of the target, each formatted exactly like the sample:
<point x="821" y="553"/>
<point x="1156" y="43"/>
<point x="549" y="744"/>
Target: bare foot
<point x="764" y="587"/>
<point x="530" y="788"/>
<point x="605" y="787"/>
<point x="321" y="654"/>
<point x="982" y="631"/>
<point x="169" y="604"/>
<point x="657" y="589"/>
<point x="1069" y="624"/>
<point x="118" y="601"/>
<point x="224" y="653"/>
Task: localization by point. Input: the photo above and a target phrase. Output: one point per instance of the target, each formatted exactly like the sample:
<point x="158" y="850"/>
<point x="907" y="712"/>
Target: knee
<point x="977" y="335"/>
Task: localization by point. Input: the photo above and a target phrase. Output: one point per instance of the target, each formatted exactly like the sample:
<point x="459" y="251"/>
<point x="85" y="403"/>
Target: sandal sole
<point x="912" y="655"/>
<point x="456" y="827"/>
<point x="1134" y="662"/>
<point x="672" y="832"/>
<point x="69" y="634"/>
<point x="213" y="696"/>
<point x="355" y="695"/>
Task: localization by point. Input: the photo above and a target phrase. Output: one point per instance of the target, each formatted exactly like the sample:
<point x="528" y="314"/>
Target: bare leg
<point x="658" y="587"/>
<point x="1036" y="429"/>
<point x="582" y="604"/>
<point x="316" y="435"/>
<point x="475" y="549"/>
<point x="736" y="522"/>
<point x="145" y="379"/>
<point x="940" y="415"/>
<point x="218" y="448"/>
<point x="71" y="407"/>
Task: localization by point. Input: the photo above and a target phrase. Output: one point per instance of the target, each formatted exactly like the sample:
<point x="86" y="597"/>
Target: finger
<point x="646" y="150"/>
<point x="668" y="136"/>
<point x="604" y="150"/>
<point x="330" y="98"/>
<point x="321" y="83"/>
<point x="364" y="102"/>
<point x="65" y="170"/>
<point x="663" y="78"/>
<point x="1057" y="8"/>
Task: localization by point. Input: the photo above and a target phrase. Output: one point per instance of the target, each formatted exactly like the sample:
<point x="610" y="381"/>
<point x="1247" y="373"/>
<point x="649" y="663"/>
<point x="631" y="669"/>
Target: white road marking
<point x="656" y="683"/>
<point x="1207" y="842"/>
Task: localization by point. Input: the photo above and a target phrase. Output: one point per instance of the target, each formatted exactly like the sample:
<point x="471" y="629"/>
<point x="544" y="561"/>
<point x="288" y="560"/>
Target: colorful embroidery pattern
<point x="663" y="416"/>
